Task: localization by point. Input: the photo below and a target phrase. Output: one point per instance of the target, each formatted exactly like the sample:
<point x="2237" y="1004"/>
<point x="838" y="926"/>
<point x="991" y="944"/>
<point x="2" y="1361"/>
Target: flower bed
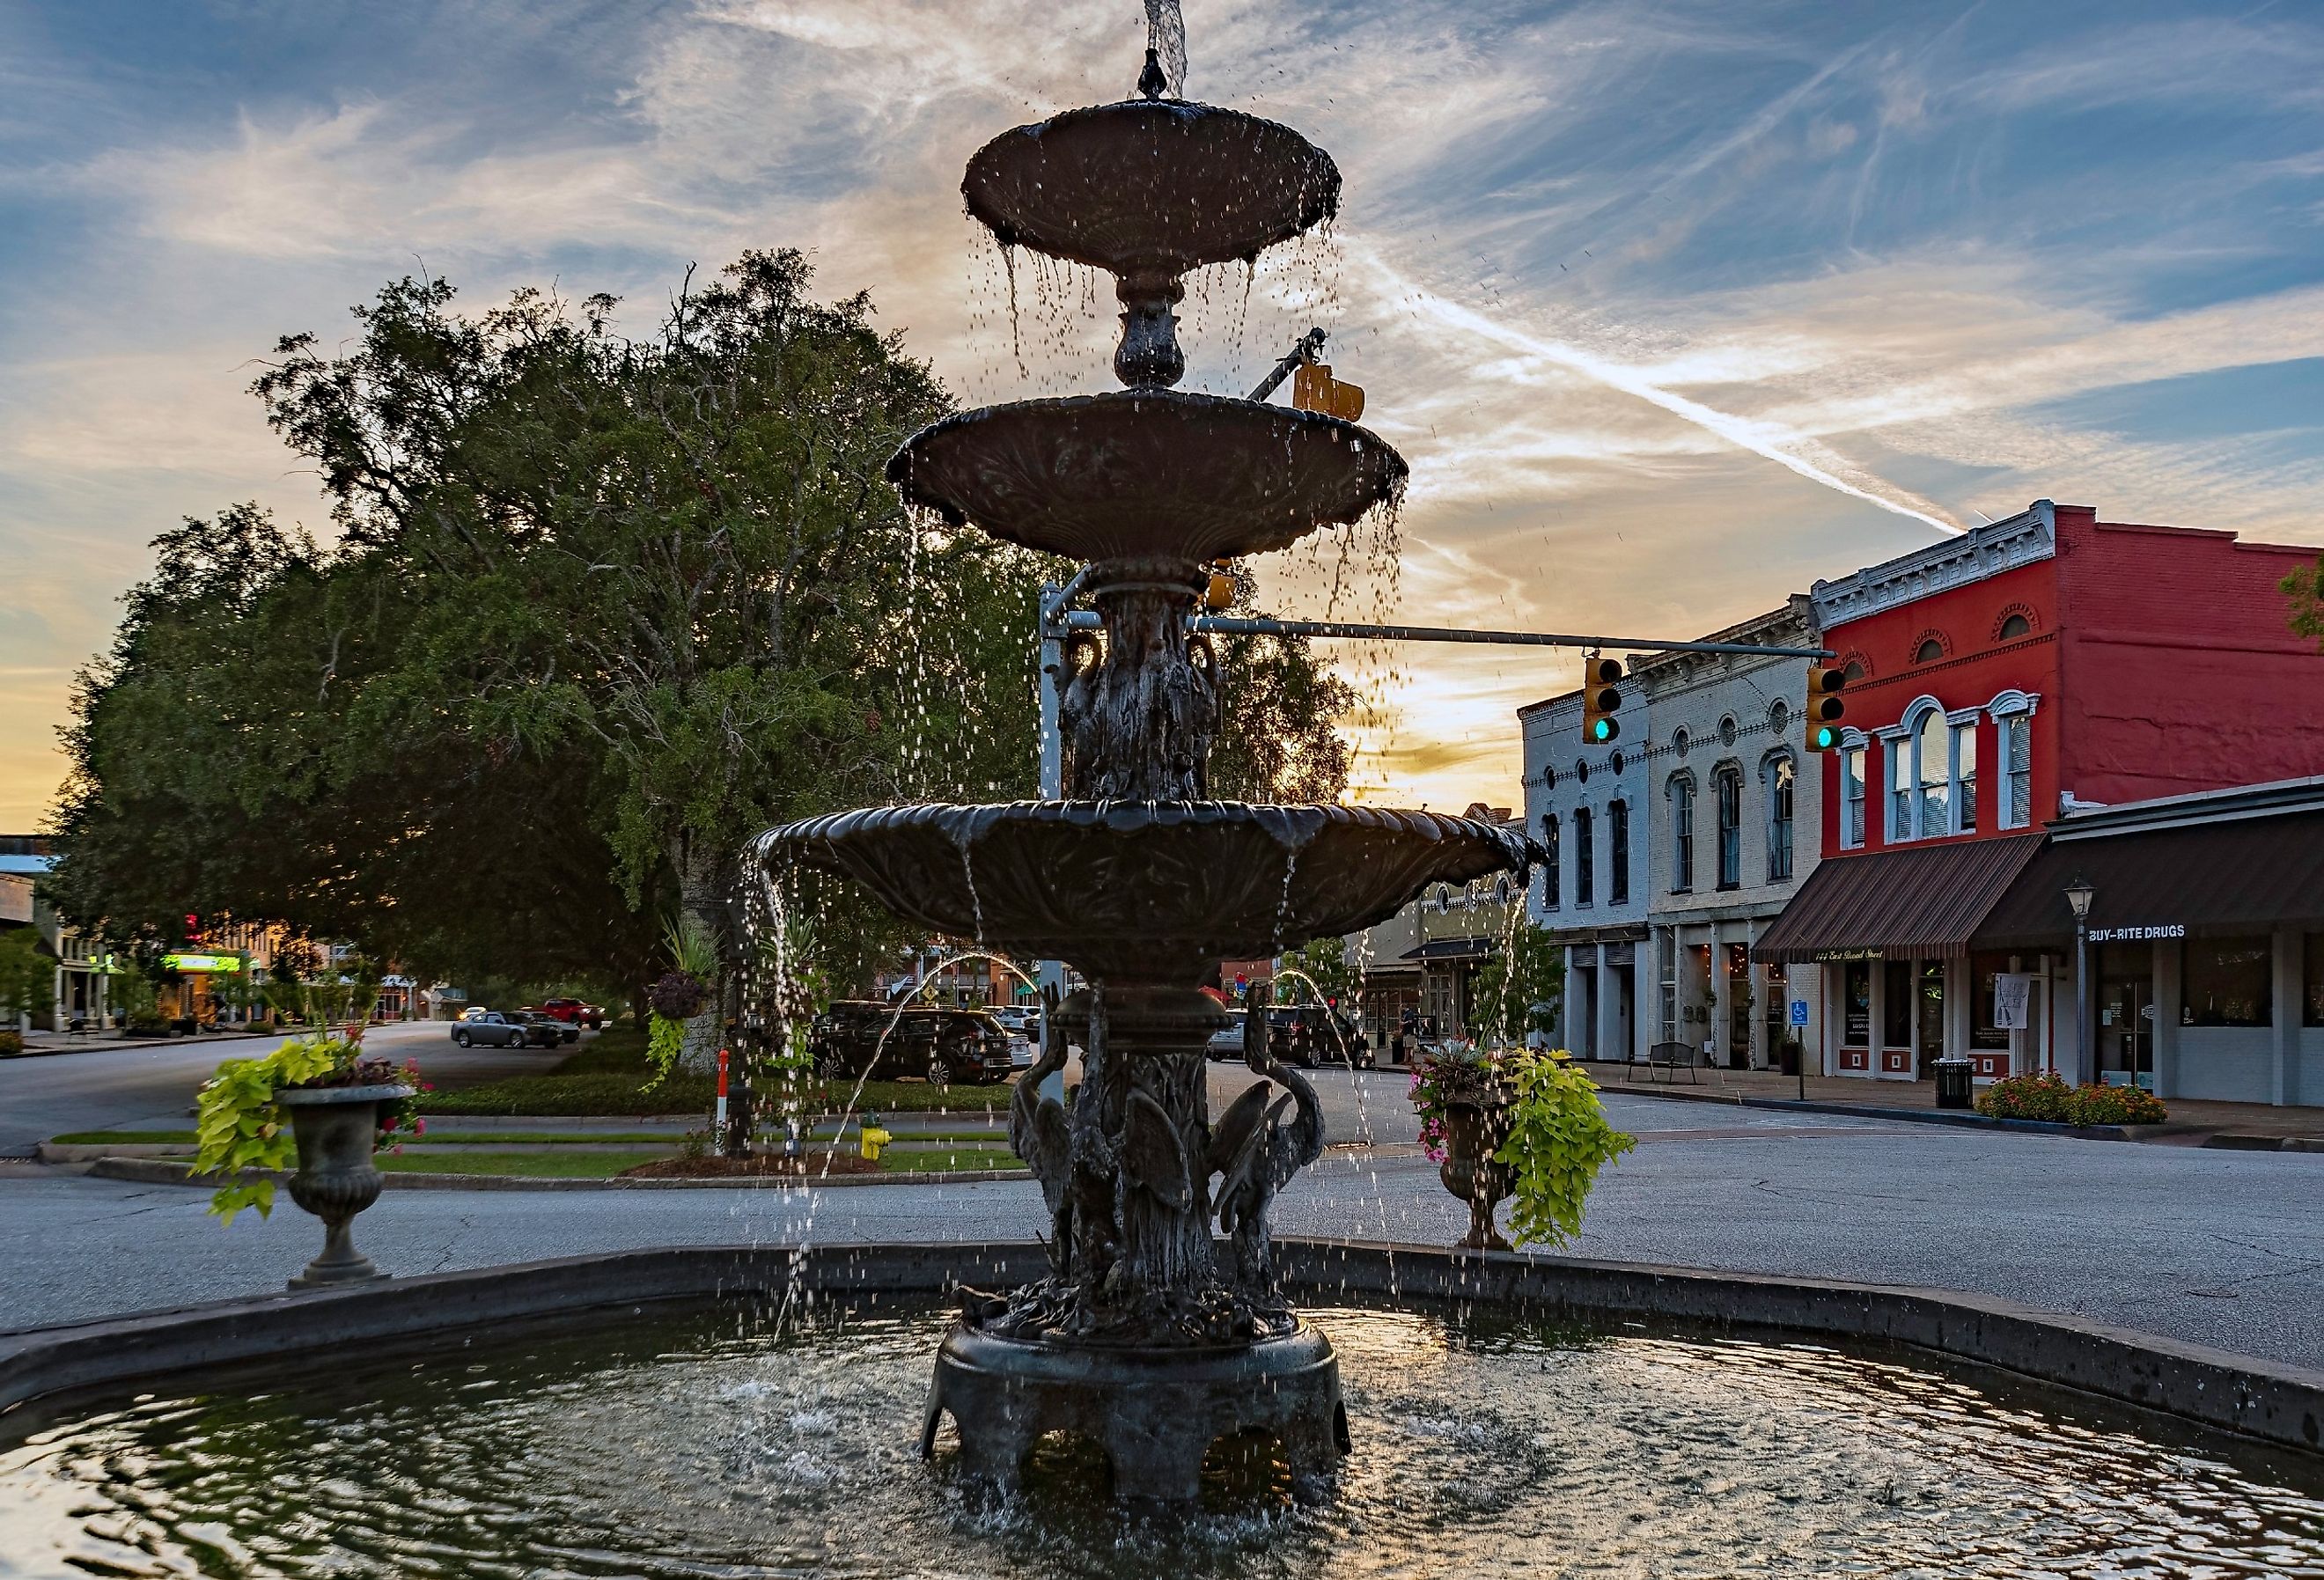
<point x="2047" y="1097"/>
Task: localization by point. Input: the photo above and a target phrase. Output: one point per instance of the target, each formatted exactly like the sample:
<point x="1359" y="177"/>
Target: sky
<point x="1673" y="308"/>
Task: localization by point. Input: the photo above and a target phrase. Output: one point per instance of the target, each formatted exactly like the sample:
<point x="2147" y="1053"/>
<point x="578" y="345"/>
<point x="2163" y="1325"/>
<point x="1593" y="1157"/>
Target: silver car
<point x="1226" y="1042"/>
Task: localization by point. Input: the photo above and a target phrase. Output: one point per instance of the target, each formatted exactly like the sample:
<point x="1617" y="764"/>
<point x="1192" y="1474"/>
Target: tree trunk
<point x="704" y="878"/>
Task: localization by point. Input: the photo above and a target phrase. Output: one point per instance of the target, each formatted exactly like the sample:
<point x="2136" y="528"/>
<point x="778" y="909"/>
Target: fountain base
<point x="1154" y="1413"/>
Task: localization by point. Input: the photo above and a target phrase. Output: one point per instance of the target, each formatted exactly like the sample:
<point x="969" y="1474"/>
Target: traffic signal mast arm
<point x="1231" y="625"/>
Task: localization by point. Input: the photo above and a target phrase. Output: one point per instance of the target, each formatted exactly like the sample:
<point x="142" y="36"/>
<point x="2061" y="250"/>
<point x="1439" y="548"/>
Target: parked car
<point x="500" y="1029"/>
<point x="475" y="1012"/>
<point x="1308" y="1035"/>
<point x="548" y="1030"/>
<point x="1018" y="1020"/>
<point x="1226" y="1042"/>
<point x="573" y="1011"/>
<point x="940" y="1045"/>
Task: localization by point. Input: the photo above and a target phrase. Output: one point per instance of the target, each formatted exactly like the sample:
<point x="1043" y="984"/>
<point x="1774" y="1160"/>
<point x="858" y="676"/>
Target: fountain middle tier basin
<point x="1136" y="473"/>
<point x="1145" y="891"/>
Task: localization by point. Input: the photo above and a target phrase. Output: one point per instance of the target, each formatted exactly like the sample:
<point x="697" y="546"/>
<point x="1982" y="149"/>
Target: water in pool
<point x="697" y="1444"/>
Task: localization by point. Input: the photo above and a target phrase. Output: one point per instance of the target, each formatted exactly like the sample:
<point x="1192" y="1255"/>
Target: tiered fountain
<point x="1146" y="1337"/>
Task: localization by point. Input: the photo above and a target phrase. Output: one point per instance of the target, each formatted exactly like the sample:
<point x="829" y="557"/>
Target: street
<point x="2224" y="1248"/>
<point x="152" y="1085"/>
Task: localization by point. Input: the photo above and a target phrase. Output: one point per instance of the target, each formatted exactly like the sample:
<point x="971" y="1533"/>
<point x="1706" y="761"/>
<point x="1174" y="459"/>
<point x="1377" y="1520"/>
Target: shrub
<point x="2046" y="1096"/>
<point x="11" y="1043"/>
<point x="2042" y="1096"/>
<point x="2118" y="1106"/>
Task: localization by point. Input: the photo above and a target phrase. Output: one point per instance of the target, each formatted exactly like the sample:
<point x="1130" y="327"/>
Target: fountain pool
<point x="702" y="1442"/>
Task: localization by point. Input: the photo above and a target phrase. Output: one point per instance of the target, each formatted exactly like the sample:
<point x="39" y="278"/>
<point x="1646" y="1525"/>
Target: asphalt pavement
<point x="132" y="1085"/>
<point x="2223" y="1248"/>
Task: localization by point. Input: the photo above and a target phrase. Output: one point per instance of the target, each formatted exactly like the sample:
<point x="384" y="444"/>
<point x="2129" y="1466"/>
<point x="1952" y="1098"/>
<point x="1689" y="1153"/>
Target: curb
<point x="1951" y="1116"/>
<point x="2271" y="1402"/>
<point x="161" y="1171"/>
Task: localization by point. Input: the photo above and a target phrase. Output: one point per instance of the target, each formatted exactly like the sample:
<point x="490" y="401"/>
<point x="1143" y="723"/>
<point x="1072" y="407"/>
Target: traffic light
<point x="1825" y="707"/>
<point x="1601" y="694"/>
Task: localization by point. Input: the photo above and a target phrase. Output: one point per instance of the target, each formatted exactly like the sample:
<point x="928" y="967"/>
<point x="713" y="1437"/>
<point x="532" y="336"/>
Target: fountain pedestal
<point x="1153" y="1412"/>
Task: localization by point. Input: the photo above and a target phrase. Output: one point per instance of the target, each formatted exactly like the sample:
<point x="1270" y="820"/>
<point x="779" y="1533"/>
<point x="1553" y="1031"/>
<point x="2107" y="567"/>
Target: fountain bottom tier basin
<point x="719" y="1440"/>
<point x="1155" y="1416"/>
<point x="1145" y="891"/>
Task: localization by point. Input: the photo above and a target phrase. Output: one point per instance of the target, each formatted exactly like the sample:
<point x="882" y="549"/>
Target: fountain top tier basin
<point x="1136" y="473"/>
<point x="1150" y="185"/>
<point x="1153" y="892"/>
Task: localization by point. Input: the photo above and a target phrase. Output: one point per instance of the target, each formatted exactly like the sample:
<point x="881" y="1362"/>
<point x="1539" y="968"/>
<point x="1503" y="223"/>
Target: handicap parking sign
<point x="1799" y="1012"/>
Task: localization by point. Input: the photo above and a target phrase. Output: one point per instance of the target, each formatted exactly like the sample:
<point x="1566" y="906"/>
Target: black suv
<point x="1308" y="1035"/>
<point x="942" y="1045"/>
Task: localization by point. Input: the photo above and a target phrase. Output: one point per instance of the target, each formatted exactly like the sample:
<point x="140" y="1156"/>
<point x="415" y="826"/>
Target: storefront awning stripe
<point x="2256" y="874"/>
<point x="1918" y="902"/>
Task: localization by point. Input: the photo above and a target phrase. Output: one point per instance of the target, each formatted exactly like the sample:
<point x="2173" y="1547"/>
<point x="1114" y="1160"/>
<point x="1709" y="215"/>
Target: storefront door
<point x="2126" y="1008"/>
<point x="1928" y="1025"/>
<point x="1738" y="1006"/>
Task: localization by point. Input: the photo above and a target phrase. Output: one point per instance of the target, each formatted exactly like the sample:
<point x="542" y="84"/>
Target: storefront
<point x="1904" y="982"/>
<point x="2205" y="948"/>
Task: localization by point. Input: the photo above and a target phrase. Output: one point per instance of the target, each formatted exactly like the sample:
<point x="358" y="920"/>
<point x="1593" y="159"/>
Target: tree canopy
<point x="597" y="609"/>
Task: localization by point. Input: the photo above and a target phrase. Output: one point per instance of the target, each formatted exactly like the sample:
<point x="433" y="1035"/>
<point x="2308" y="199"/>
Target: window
<point x="1679" y="741"/>
<point x="1935" y="781"/>
<point x="2017" y="755"/>
<point x="1855" y="671"/>
<point x="1929" y="650"/>
<point x="1851" y="796"/>
<point x="1965" y="777"/>
<point x="2313" y="978"/>
<point x="2230" y="982"/>
<point x="2016" y="626"/>
<point x="1727" y="730"/>
<point x="1900" y="788"/>
<point x="1585" y="859"/>
<point x="1985" y="971"/>
<point x="1580" y="772"/>
<point x="1780" y="774"/>
<point x="1548" y="777"/>
<point x="1551" y="880"/>
<point x="1856" y="1004"/>
<point x="1681" y="799"/>
<point x="1727" y="785"/>
<point x="1932" y="775"/>
<point x="1779" y="716"/>
<point x="1617" y="851"/>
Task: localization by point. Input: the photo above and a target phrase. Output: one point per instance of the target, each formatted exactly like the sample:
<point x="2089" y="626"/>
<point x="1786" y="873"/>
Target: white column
<point x="1608" y="1043"/>
<point x="2285" y="1086"/>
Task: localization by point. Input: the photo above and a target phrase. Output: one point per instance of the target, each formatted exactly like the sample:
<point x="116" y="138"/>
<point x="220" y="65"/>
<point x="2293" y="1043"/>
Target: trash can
<point x="1953" y="1082"/>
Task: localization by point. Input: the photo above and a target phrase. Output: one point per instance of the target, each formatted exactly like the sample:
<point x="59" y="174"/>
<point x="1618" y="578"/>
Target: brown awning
<point x="1914" y="902"/>
<point x="2251" y="872"/>
<point x="1454" y="949"/>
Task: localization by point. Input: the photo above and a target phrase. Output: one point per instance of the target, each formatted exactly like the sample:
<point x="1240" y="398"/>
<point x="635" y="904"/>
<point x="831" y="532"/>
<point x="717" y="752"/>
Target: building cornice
<point x="1977" y="554"/>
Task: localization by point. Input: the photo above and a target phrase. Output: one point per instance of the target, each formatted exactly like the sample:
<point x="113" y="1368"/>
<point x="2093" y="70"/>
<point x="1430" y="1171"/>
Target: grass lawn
<point x="435" y="1137"/>
<point x="557" y="1163"/>
<point x="605" y="1076"/>
<point x="538" y="1163"/>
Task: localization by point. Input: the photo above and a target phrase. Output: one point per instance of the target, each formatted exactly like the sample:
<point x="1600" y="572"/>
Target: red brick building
<point x="1997" y="681"/>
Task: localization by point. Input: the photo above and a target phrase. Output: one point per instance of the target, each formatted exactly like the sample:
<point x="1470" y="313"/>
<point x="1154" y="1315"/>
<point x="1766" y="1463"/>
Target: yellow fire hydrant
<point x="874" y="1138"/>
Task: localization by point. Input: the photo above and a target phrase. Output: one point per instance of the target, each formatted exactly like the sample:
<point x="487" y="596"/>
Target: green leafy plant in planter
<point x="679" y="994"/>
<point x="239" y="1126"/>
<point x="1557" y="1142"/>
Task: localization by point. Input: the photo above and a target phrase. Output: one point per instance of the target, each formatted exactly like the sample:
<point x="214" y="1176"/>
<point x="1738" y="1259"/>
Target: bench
<point x="1665" y="1056"/>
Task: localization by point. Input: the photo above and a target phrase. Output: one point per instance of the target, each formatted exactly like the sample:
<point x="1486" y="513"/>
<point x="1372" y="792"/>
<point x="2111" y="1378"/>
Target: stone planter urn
<point x="337" y="1129"/>
<point x="1473" y="1132"/>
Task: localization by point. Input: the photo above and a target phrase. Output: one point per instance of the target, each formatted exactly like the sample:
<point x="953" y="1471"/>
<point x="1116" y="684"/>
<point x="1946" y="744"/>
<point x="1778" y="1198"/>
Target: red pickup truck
<point x="573" y="1011"/>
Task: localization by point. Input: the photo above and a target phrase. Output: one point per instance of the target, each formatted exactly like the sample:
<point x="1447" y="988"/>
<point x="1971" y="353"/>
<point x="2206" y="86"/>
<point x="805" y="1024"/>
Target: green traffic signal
<point x="1826" y="737"/>
<point x="1602" y="730"/>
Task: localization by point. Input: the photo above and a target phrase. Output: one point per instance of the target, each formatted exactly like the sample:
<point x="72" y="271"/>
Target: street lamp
<point x="2078" y="895"/>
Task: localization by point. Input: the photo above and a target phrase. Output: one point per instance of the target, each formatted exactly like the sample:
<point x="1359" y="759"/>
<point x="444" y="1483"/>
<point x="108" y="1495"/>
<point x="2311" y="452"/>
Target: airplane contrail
<point x="1761" y="439"/>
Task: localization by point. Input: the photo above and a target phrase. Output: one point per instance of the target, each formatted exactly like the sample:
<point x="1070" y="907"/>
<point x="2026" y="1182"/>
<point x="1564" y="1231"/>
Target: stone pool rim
<point x="2266" y="1401"/>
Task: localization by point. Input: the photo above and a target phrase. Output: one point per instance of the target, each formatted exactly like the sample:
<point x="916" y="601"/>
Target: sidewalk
<point x="2193" y="1122"/>
<point x="38" y="1043"/>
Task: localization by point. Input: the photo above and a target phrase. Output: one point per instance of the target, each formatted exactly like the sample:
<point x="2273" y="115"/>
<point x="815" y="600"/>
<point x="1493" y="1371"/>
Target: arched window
<point x="1681" y="801"/>
<point x="1855" y="671"/>
<point x="1585" y="860"/>
<point x="1679" y="741"/>
<point x="2016" y="626"/>
<point x="1929" y="650"/>
<point x="1932" y="773"/>
<point x="2013" y="722"/>
<point x="1553" y="881"/>
<point x="1854" y="754"/>
<point x="1779" y="774"/>
<point x="1618" y="852"/>
<point x="1727" y="791"/>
